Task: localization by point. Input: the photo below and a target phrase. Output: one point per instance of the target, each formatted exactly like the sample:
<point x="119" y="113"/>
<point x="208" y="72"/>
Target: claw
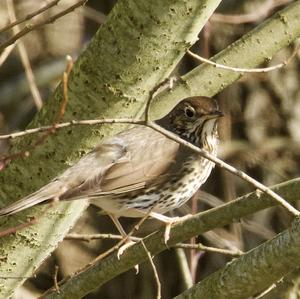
<point x="124" y="247"/>
<point x="167" y="232"/>
<point x="137" y="269"/>
<point x="169" y="224"/>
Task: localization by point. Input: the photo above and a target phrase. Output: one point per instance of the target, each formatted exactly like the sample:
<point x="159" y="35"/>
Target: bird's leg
<point x="169" y="221"/>
<point x="118" y="225"/>
<point x="127" y="242"/>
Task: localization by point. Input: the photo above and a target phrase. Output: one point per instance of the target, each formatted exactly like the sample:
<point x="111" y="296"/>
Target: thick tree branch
<point x="254" y="271"/>
<point x="254" y="48"/>
<point x="287" y="287"/>
<point x="111" y="78"/>
<point x="108" y="268"/>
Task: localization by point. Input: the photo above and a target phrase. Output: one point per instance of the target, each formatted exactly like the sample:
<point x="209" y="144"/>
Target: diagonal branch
<point x="264" y="10"/>
<point x="110" y="78"/>
<point x="228" y="167"/>
<point x="254" y="48"/>
<point x="25" y="59"/>
<point x="30" y="27"/>
<point x="246" y="70"/>
<point x="176" y="138"/>
<point x="254" y="271"/>
<point x="84" y="282"/>
<point x="30" y="16"/>
<point x="103" y="65"/>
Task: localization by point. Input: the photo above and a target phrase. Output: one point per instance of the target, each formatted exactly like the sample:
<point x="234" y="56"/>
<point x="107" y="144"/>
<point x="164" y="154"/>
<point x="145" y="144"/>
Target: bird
<point x="140" y="170"/>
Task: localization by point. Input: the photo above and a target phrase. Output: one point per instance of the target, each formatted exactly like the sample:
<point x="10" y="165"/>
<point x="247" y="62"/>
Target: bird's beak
<point x="216" y="114"/>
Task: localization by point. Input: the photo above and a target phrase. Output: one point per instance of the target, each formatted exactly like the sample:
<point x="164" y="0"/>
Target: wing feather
<point x="126" y="162"/>
<point x="147" y="155"/>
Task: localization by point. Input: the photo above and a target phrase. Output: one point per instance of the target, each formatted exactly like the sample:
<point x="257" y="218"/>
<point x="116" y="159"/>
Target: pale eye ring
<point x="189" y="111"/>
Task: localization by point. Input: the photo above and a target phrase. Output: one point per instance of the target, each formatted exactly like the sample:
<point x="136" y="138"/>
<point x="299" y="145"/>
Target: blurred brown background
<point x="260" y="135"/>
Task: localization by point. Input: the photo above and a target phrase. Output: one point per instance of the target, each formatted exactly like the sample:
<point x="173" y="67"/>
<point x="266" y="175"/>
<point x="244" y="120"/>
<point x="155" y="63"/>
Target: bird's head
<point x="195" y="120"/>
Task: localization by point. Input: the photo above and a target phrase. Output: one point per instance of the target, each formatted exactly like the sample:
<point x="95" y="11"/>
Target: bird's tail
<point x="48" y="192"/>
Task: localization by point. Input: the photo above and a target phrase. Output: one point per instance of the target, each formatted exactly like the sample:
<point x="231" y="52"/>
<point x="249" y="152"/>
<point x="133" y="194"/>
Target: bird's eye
<point x="189" y="111"/>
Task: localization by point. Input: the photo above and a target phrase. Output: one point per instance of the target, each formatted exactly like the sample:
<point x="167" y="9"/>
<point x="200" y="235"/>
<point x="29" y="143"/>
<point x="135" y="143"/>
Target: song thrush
<point x="140" y="169"/>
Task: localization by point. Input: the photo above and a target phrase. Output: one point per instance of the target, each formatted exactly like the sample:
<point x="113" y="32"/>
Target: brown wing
<point x="88" y="169"/>
<point x="123" y="163"/>
<point x="147" y="154"/>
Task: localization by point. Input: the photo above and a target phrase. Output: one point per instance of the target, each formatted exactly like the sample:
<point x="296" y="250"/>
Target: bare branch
<point x="202" y="247"/>
<point x="174" y="137"/>
<point x="65" y="80"/>
<point x="102" y="255"/>
<point x="90" y="237"/>
<point x="199" y="246"/>
<point x="184" y="268"/>
<point x="14" y="229"/>
<point x="24" y="58"/>
<point x="55" y="279"/>
<point x="6" y="52"/>
<point x="167" y="81"/>
<point x="51" y="129"/>
<point x="245" y="70"/>
<point x="30" y="16"/>
<point x="88" y="122"/>
<point x="260" y="14"/>
<point x="226" y="166"/>
<point x="265" y="292"/>
<point x="31" y="27"/>
<point x="158" y="296"/>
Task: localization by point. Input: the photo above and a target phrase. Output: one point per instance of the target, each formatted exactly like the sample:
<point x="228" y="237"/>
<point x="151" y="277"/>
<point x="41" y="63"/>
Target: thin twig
<point x="158" y="296"/>
<point x="65" y="81"/>
<point x="94" y="15"/>
<point x="184" y="268"/>
<point x="174" y="137"/>
<point x="90" y="237"/>
<point x="199" y="246"/>
<point x="25" y="59"/>
<point x="246" y="70"/>
<point x="103" y="255"/>
<point x="50" y="129"/>
<point x="226" y="166"/>
<point x="262" y="13"/>
<point x="30" y="27"/>
<point x="6" y="52"/>
<point x="87" y="122"/>
<point x="168" y="81"/>
<point x="265" y="292"/>
<point x="18" y="277"/>
<point x="123" y="240"/>
<point x="29" y="16"/>
<point x="56" y="286"/>
<point x="202" y="247"/>
<point x="14" y="229"/>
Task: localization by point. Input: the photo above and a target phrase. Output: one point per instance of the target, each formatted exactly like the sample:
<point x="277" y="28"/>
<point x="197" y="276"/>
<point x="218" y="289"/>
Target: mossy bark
<point x="256" y="47"/>
<point x="110" y="267"/>
<point x="138" y="46"/>
<point x="254" y="271"/>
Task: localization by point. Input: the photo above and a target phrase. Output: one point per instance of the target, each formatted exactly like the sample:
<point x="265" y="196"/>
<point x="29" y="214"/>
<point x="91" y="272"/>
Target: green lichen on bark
<point x="136" y="48"/>
<point x="254" y="271"/>
<point x="110" y="267"/>
<point x="253" y="49"/>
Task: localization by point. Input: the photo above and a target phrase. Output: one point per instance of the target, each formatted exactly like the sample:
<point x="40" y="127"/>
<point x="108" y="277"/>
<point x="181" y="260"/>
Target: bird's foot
<point x="123" y="248"/>
<point x="169" y="221"/>
<point x="173" y="220"/>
